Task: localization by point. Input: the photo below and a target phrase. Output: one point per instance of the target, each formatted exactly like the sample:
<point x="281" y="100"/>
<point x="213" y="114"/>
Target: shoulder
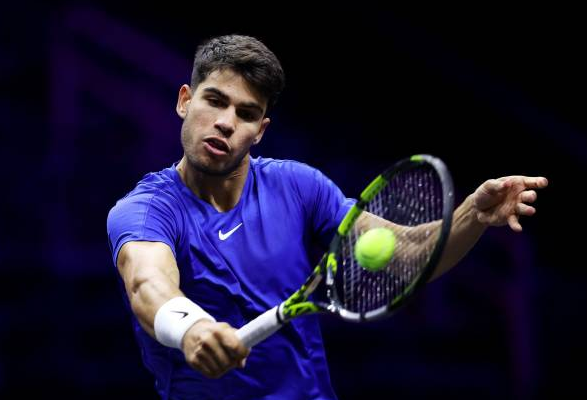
<point x="154" y="189"/>
<point x="281" y="169"/>
<point x="292" y="177"/>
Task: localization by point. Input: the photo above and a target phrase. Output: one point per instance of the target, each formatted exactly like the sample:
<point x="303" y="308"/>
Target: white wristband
<point x="174" y="318"/>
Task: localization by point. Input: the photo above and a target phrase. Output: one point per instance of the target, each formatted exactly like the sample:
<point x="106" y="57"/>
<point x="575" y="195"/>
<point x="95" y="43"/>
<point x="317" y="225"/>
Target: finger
<point x="537" y="182"/>
<point x="215" y="350"/>
<point x="514" y="223"/>
<point x="233" y="349"/>
<point x="231" y="343"/>
<point x="488" y="194"/>
<point x="225" y="338"/>
<point x="525" y="210"/>
<point x="203" y="364"/>
<point x="242" y="363"/>
<point x="528" y="196"/>
<point x="234" y="346"/>
<point x="483" y="217"/>
<point x="494" y="186"/>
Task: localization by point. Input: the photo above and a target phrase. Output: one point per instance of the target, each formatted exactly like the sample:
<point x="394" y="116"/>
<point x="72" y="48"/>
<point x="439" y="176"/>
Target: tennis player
<point x="209" y="243"/>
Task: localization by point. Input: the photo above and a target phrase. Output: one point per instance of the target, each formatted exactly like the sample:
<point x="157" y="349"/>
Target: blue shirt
<point x="284" y="209"/>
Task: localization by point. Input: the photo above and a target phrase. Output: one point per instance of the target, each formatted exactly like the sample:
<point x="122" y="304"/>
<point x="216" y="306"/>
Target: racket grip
<point x="260" y="328"/>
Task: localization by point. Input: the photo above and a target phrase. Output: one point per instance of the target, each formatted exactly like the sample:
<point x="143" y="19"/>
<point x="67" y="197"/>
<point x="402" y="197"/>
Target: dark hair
<point x="246" y="56"/>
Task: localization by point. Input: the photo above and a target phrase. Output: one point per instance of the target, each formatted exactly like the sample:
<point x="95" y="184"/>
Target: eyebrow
<point x="223" y="96"/>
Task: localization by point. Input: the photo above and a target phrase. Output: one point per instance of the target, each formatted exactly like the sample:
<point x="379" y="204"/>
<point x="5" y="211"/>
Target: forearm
<point x="148" y="295"/>
<point x="151" y="278"/>
<point x="465" y="232"/>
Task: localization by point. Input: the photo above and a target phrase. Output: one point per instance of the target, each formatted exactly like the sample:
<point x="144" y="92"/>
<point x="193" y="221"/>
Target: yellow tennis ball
<point x="375" y="248"/>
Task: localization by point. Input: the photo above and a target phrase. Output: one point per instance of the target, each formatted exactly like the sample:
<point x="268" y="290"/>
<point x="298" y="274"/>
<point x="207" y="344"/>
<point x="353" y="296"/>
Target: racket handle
<point x="260" y="328"/>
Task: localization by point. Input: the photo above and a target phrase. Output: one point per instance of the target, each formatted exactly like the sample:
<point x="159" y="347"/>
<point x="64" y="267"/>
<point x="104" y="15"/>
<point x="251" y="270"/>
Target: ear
<point x="183" y="101"/>
<point x="259" y="135"/>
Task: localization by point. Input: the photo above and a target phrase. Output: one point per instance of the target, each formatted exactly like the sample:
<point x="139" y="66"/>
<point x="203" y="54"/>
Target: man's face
<point x="222" y="119"/>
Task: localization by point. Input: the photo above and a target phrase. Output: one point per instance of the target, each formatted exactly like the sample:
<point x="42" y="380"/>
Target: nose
<point x="226" y="121"/>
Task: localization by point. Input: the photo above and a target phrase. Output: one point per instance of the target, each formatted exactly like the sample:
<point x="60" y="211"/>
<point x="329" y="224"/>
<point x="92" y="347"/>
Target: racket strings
<point x="413" y="203"/>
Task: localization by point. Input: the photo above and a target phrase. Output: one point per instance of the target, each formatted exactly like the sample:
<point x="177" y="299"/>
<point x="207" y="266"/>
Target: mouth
<point x="216" y="145"/>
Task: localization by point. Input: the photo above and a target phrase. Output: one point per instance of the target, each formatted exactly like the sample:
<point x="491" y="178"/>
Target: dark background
<point x="87" y="106"/>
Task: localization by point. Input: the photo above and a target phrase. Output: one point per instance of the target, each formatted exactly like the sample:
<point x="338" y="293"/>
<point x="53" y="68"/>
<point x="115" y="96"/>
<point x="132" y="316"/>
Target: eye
<point x="247" y="115"/>
<point x="214" y="102"/>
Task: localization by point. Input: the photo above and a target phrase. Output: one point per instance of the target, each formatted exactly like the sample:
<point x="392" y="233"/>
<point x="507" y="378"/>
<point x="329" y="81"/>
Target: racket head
<point x="415" y="199"/>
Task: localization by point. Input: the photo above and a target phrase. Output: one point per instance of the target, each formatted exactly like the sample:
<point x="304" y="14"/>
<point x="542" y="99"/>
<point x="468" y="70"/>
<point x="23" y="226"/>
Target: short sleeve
<point x="324" y="202"/>
<point x="142" y="217"/>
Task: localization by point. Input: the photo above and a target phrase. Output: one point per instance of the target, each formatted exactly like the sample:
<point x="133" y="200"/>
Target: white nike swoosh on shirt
<point x="224" y="236"/>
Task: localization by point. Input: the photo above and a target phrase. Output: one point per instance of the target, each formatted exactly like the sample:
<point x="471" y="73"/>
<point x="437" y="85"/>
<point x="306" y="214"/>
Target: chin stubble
<point x="198" y="166"/>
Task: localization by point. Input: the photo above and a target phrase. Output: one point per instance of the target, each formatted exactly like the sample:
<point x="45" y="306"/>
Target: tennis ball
<point x="374" y="248"/>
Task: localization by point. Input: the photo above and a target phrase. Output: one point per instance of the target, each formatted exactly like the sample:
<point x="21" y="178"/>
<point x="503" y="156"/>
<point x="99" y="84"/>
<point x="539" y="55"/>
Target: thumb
<point x="487" y="195"/>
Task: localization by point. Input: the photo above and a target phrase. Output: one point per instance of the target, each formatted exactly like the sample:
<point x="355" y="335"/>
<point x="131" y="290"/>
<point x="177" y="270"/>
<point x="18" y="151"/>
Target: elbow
<point x="136" y="284"/>
<point x="138" y="288"/>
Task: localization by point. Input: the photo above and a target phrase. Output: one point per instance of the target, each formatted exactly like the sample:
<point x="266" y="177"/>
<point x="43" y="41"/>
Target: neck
<point x="222" y="192"/>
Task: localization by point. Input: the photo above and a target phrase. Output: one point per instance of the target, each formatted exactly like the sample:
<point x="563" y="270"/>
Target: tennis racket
<point x="413" y="198"/>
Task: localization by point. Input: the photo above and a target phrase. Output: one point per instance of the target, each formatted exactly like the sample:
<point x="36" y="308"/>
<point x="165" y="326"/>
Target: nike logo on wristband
<point x="181" y="312"/>
<point x="224" y="236"/>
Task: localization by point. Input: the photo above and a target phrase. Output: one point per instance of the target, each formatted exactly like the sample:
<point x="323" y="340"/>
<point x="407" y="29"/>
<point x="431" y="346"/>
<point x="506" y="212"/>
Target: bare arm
<point x="464" y="233"/>
<point x="496" y="202"/>
<point x="151" y="278"/>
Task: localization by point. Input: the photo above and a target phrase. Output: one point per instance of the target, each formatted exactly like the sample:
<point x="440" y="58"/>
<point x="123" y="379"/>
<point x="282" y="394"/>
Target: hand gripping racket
<point x="414" y="199"/>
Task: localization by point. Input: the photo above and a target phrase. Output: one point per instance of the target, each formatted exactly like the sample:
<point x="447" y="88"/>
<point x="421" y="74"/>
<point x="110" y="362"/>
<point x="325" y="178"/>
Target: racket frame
<point x="298" y="304"/>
